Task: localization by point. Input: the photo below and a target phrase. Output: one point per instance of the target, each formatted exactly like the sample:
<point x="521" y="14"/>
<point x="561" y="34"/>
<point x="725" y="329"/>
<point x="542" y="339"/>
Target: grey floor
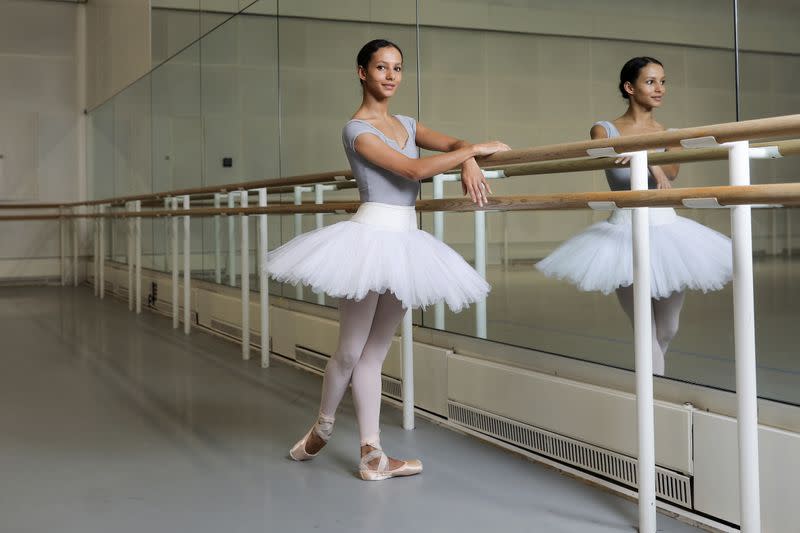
<point x="112" y="422"/>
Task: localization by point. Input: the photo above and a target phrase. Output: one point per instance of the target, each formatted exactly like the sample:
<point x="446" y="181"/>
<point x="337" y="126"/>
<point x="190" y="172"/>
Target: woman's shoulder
<point x="603" y="127"/>
<point x="355" y="127"/>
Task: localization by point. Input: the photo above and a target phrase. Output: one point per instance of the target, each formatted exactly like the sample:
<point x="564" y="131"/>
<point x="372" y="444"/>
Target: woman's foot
<point x="316" y="439"/>
<point x="376" y="465"/>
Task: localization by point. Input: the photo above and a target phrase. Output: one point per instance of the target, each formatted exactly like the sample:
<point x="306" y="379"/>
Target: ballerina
<point x="379" y="264"/>
<point x="684" y="254"/>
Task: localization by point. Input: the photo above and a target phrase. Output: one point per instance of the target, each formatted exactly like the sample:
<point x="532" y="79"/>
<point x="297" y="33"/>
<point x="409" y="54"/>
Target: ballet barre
<point x="729" y="141"/>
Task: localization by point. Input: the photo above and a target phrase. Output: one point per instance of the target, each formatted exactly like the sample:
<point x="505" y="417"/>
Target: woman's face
<point x="384" y="72"/>
<point x="650" y="87"/>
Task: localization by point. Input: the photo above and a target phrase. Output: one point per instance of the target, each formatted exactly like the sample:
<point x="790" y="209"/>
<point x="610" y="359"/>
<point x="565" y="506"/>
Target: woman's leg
<point x="366" y="382"/>
<point x="355" y="322"/>
<point x="625" y="297"/>
<point x="367" y="373"/>
<point x="667" y="314"/>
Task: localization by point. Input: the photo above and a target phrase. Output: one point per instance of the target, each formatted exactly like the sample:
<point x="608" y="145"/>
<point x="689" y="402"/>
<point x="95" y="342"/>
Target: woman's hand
<point x="484" y="149"/>
<point x="662" y="181"/>
<point x="473" y="182"/>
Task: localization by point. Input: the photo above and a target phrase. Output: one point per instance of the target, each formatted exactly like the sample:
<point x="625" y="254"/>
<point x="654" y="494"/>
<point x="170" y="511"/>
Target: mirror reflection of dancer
<point x="378" y="263"/>
<point x="684" y="254"/>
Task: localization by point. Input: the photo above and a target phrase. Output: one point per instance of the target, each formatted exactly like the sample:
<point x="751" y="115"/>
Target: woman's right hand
<point x="489" y="148"/>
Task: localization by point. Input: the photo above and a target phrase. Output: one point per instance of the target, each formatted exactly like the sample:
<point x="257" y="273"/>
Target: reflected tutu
<point x="683" y="255"/>
<point x="380" y="249"/>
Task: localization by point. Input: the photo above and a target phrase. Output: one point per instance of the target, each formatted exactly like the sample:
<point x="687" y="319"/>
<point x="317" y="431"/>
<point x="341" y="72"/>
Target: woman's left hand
<point x="662" y="181"/>
<point x="473" y="182"/>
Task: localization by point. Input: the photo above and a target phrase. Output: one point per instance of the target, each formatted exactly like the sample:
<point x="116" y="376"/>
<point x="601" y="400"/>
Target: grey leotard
<point x="376" y="184"/>
<point x="619" y="179"/>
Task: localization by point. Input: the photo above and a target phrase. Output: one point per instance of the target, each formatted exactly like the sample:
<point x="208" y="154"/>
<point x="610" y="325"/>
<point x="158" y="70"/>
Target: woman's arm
<point x="671" y="171"/>
<point x="473" y="182"/>
<point x="664" y="174"/>
<point x="372" y="148"/>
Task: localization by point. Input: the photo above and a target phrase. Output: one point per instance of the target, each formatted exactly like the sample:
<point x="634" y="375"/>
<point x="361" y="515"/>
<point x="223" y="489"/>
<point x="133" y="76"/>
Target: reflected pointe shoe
<point x="408" y="468"/>
<point x="323" y="428"/>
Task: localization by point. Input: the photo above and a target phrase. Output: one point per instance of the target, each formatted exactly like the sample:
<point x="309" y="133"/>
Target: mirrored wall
<point x="242" y="91"/>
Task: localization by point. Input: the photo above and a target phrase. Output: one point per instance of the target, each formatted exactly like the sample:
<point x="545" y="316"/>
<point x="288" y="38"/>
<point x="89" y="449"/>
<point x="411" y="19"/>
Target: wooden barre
<point x="779" y="194"/>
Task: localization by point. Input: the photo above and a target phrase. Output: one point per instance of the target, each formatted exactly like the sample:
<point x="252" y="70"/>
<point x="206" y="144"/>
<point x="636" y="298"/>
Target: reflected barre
<point x="764" y="128"/>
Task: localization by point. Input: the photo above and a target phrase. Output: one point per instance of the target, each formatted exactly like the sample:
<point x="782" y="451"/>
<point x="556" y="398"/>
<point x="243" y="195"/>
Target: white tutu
<point x="380" y="249"/>
<point x="683" y="255"/>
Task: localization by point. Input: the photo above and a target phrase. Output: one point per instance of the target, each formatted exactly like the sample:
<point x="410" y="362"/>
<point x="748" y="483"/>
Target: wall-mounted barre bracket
<point x="341" y="178"/>
<point x="340" y="212"/>
<point x="702" y="203"/>
<point x="602" y="206"/>
<point x="494" y="174"/>
<point x="700" y="142"/>
<point x="607" y="151"/>
<point x="765" y="152"/>
<point x="456" y="176"/>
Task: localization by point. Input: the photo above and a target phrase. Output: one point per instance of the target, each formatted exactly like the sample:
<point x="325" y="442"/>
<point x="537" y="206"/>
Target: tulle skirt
<point x="683" y="255"/>
<point x="380" y="249"/>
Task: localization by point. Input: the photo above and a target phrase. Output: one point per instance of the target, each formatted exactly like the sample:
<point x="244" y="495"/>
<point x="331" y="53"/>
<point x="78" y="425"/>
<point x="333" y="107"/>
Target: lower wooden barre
<point x="778" y="194"/>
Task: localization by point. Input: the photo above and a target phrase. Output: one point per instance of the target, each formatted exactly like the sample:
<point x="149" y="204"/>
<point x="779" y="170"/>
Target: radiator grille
<point x="234" y="331"/>
<point x="392" y="387"/>
<point x="310" y="358"/>
<point x="670" y="486"/>
<point x="389" y="386"/>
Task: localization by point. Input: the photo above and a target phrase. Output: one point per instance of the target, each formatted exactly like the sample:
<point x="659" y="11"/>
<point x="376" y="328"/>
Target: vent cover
<point x="670" y="486"/>
<point x="392" y="387"/>
<point x="109" y="286"/>
<point x="122" y="291"/>
<point x="312" y="359"/>
<point x="234" y="331"/>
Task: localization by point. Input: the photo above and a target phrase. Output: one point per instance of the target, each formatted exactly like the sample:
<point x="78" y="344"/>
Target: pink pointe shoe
<point x="323" y="428"/>
<point x="408" y="468"/>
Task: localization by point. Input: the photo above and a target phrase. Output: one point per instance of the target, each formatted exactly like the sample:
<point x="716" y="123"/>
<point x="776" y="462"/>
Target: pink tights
<point x="366" y="329"/>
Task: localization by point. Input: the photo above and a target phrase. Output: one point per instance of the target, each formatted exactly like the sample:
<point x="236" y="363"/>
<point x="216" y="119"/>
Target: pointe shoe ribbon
<point x="409" y="468"/>
<point x="323" y="428"/>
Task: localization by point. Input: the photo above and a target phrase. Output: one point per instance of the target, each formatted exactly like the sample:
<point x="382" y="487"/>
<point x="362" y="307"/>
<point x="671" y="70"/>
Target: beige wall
<point x="118" y="36"/>
<point x="39" y="118"/>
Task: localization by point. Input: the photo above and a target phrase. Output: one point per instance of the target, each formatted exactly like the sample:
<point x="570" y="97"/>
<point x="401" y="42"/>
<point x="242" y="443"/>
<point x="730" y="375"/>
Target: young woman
<point x="684" y="254"/>
<point x="378" y="263"/>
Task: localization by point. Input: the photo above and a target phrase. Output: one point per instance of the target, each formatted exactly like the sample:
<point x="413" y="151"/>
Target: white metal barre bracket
<point x="298" y="228"/>
<point x="319" y="219"/>
<point x="217" y="242"/>
<point x="245" y="260"/>
<point x="263" y="283"/>
<point x="480" y="246"/>
<point x="606" y="151"/>
<point x="187" y="268"/>
<point x="602" y="206"/>
<point x="175" y="269"/>
<point x="702" y="203"/>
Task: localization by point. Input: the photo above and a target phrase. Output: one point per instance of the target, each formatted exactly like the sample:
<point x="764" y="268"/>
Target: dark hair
<point x="630" y="71"/>
<point x="368" y="50"/>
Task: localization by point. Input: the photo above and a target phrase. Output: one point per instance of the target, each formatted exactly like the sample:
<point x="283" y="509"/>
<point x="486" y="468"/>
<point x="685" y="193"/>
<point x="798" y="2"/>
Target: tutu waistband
<point x="387" y="216"/>
<point x="658" y="216"/>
